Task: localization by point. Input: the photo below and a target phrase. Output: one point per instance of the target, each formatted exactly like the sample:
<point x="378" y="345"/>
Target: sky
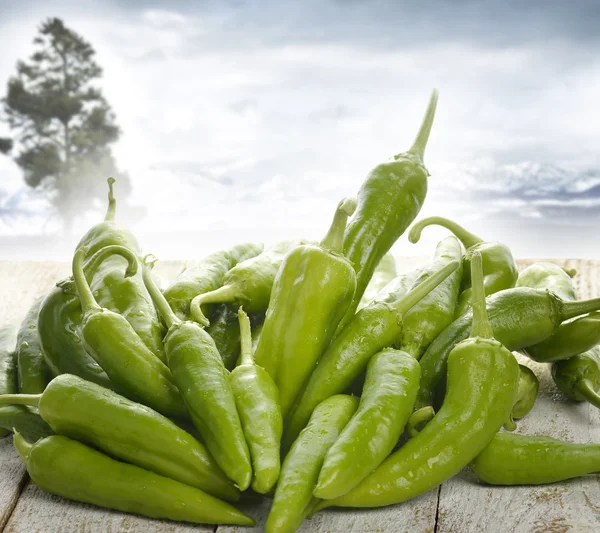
<point x="251" y="120"/>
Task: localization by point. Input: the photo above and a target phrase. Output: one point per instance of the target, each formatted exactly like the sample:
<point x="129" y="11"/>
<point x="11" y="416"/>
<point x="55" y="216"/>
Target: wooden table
<point x="459" y="505"/>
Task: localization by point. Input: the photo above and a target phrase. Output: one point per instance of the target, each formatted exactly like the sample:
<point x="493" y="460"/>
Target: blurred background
<point x="226" y="121"/>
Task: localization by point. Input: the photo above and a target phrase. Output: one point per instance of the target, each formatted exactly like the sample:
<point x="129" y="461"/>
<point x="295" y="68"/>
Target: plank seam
<point x="20" y="489"/>
<point x="437" y="509"/>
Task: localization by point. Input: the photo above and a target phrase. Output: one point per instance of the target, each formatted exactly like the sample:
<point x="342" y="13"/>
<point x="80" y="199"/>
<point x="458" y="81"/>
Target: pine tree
<point x="61" y="124"/>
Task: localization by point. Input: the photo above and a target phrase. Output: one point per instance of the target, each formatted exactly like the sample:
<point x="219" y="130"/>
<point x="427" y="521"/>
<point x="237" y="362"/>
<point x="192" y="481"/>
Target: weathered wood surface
<point x="461" y="505"/>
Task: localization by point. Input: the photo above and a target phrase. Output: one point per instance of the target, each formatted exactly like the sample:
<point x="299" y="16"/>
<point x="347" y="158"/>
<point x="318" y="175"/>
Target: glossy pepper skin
<point x="207" y="275"/>
<point x="578" y="377"/>
<point x="225" y="332"/>
<point x="59" y="325"/>
<point x="424" y="322"/>
<point x="511" y="459"/>
<point x="373" y="328"/>
<point x="257" y="402"/>
<point x="544" y="275"/>
<point x="8" y="364"/>
<point x="248" y="283"/>
<point x="388" y="201"/>
<point x="527" y="392"/>
<point x="311" y="293"/>
<point x="33" y="371"/>
<point x="25" y="421"/>
<point x="519" y="316"/>
<point x="126" y="430"/>
<point x="294" y="499"/>
<point x="398" y="287"/>
<point x="115" y="291"/>
<point x="204" y="383"/>
<point x="386" y="403"/>
<point x="384" y="274"/>
<point x="113" y="343"/>
<point x="499" y="267"/>
<point x="70" y="469"/>
<point x="482" y="383"/>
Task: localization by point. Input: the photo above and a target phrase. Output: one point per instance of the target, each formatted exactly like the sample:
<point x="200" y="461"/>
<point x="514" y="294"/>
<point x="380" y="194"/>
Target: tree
<point x="61" y="124"/>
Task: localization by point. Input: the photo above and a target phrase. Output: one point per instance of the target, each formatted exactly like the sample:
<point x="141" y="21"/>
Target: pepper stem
<point x="94" y="262"/>
<point x="481" y="325"/>
<point x="224" y="294"/>
<point x="571" y="272"/>
<point x="246" y="358"/>
<point x="86" y="297"/>
<point x="32" y="400"/>
<point x="160" y="302"/>
<point x="585" y="388"/>
<point x="467" y="238"/>
<point x="418" y="147"/>
<point x="510" y="424"/>
<point x="418" y="419"/>
<point x="112" y="202"/>
<point x="23" y="447"/>
<point x="334" y="240"/>
<point x="414" y="296"/>
<point x="582" y="307"/>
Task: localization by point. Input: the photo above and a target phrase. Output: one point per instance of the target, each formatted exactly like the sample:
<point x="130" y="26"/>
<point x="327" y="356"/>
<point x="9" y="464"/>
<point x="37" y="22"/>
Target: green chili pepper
<point x="294" y="498"/>
<point x="423" y="323"/>
<point x="33" y="371"/>
<point x="520" y="317"/>
<point x="256" y="399"/>
<point x="206" y="276"/>
<point x="373" y="328"/>
<point x="311" y="293"/>
<point x="527" y="392"/>
<point x="386" y="403"/>
<point x="549" y="276"/>
<point x="204" y="383"/>
<point x="70" y="469"/>
<point x="248" y="283"/>
<point x="398" y="287"/>
<point x="384" y="274"/>
<point x="8" y="363"/>
<point x="114" y="291"/>
<point x="499" y="267"/>
<point x="388" y="201"/>
<point x="25" y="421"/>
<point x="512" y="459"/>
<point x="117" y="348"/>
<point x="126" y="430"/>
<point x="482" y="383"/>
<point x="578" y="377"/>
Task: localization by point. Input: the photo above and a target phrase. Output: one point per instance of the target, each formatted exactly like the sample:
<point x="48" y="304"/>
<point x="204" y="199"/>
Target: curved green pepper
<point x="384" y="274"/>
<point x="511" y="459"/>
<point x="112" y="289"/>
<point x="520" y="317"/>
<point x="116" y="347"/>
<point x="398" y="287"/>
<point x="25" y="421"/>
<point x="75" y="471"/>
<point x="373" y="328"/>
<point x="204" y="383"/>
<point x="544" y="275"/>
<point x="527" y="392"/>
<point x="423" y="323"/>
<point x="33" y="371"/>
<point x="294" y="500"/>
<point x="388" y="201"/>
<point x="386" y="403"/>
<point x="8" y="364"/>
<point x="578" y="377"/>
<point x="206" y="276"/>
<point x="248" y="283"/>
<point x="256" y="399"/>
<point x="482" y="383"/>
<point x="311" y="293"/>
<point x="126" y="430"/>
<point x="499" y="267"/>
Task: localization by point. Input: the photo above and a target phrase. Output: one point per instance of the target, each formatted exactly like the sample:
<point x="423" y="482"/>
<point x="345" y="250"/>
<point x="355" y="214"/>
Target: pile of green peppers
<point x="313" y="373"/>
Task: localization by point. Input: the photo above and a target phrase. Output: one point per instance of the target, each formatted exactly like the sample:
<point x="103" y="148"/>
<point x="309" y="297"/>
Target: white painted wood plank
<point x="12" y="478"/>
<point x="40" y="512"/>
<point x="468" y="506"/>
